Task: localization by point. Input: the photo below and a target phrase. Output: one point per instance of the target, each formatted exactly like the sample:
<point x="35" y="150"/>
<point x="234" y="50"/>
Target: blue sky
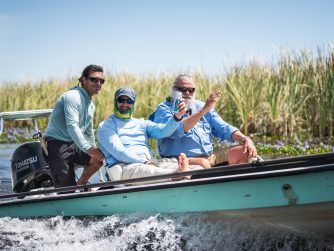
<point x="43" y="39"/>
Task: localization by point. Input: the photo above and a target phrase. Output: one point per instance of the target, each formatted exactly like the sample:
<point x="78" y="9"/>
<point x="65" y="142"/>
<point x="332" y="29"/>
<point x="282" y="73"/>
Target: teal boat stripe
<point x="241" y="194"/>
<point x="167" y="185"/>
<point x="200" y="174"/>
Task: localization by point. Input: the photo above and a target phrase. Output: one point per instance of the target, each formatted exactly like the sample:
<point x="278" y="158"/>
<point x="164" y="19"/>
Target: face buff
<point x="123" y="114"/>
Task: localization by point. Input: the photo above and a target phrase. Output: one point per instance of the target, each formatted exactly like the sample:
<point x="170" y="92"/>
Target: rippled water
<point x="6" y="151"/>
<point x="151" y="232"/>
<point x="191" y="231"/>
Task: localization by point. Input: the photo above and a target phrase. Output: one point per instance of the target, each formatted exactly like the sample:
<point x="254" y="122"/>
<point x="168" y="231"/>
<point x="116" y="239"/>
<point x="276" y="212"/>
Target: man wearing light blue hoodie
<point x="70" y="135"/>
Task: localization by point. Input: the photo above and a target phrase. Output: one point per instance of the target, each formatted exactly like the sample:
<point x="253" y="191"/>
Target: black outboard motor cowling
<point x="29" y="169"/>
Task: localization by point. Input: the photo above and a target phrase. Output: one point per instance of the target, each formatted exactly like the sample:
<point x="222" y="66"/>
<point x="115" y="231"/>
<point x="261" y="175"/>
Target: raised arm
<point x="162" y="130"/>
<point x="191" y="121"/>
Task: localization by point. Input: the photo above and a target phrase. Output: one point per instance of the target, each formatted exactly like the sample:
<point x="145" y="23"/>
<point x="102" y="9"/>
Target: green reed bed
<point x="269" y="148"/>
<point x="291" y="99"/>
<point x="279" y="149"/>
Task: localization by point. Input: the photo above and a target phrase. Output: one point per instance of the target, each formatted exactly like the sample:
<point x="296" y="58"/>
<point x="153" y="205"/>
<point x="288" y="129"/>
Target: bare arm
<point x="248" y="143"/>
<point x="191" y="121"/>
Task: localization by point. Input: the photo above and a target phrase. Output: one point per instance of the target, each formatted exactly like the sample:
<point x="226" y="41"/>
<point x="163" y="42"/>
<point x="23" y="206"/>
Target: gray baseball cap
<point x="125" y="91"/>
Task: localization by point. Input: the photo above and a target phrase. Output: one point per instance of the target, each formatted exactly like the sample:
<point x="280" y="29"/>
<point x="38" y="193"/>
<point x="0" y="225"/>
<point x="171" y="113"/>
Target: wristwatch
<point x="243" y="139"/>
<point x="176" y="118"/>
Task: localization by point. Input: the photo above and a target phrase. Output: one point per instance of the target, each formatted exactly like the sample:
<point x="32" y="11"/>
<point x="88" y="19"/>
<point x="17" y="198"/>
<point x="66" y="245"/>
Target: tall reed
<point x="293" y="98"/>
<point x="244" y="86"/>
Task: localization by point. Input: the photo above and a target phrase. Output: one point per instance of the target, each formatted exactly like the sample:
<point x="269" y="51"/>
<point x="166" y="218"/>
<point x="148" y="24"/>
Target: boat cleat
<point x="255" y="160"/>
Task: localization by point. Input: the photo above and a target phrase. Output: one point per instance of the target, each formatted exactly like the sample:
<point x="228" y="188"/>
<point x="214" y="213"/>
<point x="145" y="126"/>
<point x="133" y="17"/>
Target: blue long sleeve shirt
<point x="198" y="141"/>
<point x="126" y="140"/>
<point x="72" y="119"/>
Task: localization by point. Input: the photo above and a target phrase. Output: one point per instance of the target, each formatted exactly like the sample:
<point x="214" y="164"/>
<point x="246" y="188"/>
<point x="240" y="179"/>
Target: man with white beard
<point x="200" y="124"/>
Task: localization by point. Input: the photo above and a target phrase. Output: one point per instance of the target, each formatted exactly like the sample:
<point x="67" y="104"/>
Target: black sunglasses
<point x="184" y="90"/>
<point x="125" y="100"/>
<point x="96" y="80"/>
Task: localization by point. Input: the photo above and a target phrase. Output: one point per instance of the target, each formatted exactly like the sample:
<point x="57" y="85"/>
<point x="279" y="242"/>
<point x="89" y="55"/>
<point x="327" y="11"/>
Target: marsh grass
<point x="292" y="99"/>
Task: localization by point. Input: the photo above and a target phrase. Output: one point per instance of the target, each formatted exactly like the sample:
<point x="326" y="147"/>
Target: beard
<point x="189" y="101"/>
<point x="123" y="113"/>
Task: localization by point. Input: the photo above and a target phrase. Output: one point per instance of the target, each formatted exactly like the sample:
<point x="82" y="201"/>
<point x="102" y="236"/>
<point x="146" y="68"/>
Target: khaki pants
<point x="124" y="171"/>
<point x="218" y="156"/>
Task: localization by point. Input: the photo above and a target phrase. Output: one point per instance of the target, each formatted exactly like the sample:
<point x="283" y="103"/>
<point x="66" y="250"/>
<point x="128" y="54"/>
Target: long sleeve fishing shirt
<point x="198" y="141"/>
<point x="72" y="119"/>
<point x="126" y="140"/>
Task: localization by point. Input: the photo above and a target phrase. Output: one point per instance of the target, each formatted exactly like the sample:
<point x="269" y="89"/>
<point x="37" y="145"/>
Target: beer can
<point x="177" y="96"/>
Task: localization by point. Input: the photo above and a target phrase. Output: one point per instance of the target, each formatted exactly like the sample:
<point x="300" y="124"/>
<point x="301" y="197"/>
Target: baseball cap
<point x="125" y="91"/>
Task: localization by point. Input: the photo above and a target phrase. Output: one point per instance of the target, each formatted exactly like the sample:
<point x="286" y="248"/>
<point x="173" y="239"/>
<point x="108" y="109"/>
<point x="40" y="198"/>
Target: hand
<point x="211" y="101"/>
<point x="95" y="153"/>
<point x="250" y="148"/>
<point x="182" y="110"/>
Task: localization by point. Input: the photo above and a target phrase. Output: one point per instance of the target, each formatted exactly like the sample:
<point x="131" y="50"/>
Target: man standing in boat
<point x="70" y="136"/>
<point x="124" y="141"/>
<point x="200" y="124"/>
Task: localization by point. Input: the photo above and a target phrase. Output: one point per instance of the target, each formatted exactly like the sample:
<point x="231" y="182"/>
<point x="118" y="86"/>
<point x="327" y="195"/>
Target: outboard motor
<point x="29" y="169"/>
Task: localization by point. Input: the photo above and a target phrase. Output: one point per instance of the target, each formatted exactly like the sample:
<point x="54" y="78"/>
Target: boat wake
<point x="195" y="231"/>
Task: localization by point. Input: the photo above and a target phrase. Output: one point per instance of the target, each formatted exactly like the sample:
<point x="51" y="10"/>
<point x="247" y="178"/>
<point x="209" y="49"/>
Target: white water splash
<point x="152" y="232"/>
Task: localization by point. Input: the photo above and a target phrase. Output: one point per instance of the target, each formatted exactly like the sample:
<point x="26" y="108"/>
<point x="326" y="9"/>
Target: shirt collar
<point x="83" y="91"/>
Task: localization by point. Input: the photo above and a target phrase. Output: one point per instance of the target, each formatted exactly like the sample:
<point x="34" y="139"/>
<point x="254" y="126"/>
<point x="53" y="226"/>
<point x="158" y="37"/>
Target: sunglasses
<point x="96" y="80"/>
<point x="125" y="100"/>
<point x="184" y="90"/>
